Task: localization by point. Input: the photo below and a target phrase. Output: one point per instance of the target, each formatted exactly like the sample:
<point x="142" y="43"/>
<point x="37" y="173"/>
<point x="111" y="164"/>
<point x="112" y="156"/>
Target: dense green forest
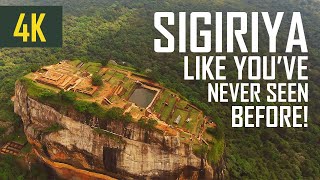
<point x="100" y="30"/>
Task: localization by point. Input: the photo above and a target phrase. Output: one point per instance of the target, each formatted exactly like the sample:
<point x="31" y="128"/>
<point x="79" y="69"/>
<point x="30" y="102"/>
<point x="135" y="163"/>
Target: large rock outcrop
<point x="123" y="151"/>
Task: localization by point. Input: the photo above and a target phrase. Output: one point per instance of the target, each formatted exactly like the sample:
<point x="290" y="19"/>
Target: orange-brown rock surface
<point x="134" y="153"/>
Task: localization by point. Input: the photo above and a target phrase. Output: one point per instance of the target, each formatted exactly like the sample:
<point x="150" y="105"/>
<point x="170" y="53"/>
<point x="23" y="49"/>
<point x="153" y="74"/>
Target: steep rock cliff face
<point x="124" y="151"/>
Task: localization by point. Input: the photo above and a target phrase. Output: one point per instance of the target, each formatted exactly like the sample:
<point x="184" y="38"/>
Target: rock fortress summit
<point x="93" y="122"/>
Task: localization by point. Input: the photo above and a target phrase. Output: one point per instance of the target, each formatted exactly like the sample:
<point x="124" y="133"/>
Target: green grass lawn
<point x="119" y="76"/>
<point x="161" y="100"/>
<point x="49" y="87"/>
<point x="197" y="128"/>
<point x="106" y="77"/>
<point x="116" y="77"/>
<point x="184" y="136"/>
<point x="109" y="72"/>
<point x="193" y="122"/>
<point x="183" y="115"/>
<point x="129" y="85"/>
<point x="74" y="62"/>
<point x="167" y="109"/>
<point x="114" y="98"/>
<point x="34" y="89"/>
<point x="194" y="114"/>
<point x="114" y="81"/>
<point x="181" y="104"/>
<point x="91" y="67"/>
